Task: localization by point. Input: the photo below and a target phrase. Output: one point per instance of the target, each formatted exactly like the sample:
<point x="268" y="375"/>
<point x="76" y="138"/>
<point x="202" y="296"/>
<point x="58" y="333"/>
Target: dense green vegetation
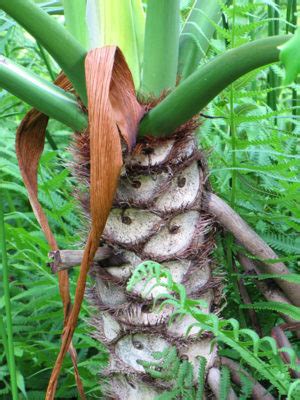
<point x="250" y="133"/>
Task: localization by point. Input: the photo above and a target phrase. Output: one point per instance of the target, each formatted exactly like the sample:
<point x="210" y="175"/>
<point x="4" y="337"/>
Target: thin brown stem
<point x="67" y="259"/>
<point x="253" y="243"/>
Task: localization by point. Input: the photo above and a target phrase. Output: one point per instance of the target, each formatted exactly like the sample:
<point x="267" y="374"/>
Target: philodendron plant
<point x="132" y="90"/>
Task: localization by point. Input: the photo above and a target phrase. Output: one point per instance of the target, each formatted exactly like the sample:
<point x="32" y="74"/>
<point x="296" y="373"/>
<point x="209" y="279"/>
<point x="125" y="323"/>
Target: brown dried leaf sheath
<point x="30" y="142"/>
<point x="113" y="110"/>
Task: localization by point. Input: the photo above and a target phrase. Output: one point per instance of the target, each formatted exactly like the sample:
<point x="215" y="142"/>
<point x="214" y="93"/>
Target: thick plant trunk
<point x="157" y="215"/>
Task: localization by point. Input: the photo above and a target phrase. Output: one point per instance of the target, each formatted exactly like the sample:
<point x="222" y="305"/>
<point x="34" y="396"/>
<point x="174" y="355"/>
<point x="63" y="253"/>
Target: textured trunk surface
<point x="156" y="216"/>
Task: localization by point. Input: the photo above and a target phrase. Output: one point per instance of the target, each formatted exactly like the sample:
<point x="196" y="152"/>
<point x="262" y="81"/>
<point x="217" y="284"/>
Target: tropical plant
<point x="143" y="182"/>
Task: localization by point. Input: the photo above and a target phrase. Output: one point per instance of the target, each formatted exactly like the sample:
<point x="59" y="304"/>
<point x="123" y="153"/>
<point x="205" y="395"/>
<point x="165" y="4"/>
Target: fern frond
<point x="224" y="383"/>
<point x="246" y="342"/>
<point x="283" y="243"/>
<point x="201" y="378"/>
<point x="247" y="387"/>
<point x="287" y="309"/>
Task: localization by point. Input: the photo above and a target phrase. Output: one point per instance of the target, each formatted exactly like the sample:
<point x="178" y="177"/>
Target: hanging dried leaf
<point x="30" y="142"/>
<point x="113" y="110"/>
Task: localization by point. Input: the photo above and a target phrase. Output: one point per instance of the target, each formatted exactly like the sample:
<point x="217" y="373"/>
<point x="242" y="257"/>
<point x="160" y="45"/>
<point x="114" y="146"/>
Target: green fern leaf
<point x="287" y="309"/>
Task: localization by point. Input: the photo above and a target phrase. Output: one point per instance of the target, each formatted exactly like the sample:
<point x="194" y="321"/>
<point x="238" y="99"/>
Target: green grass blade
<point x="196" y="34"/>
<point x="75" y="20"/>
<point x="41" y="94"/>
<point x="9" y="326"/>
<point x="62" y="46"/>
<point x="193" y="94"/>
<point x="161" y="46"/>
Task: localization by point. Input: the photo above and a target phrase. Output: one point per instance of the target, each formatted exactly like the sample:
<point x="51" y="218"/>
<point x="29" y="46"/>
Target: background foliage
<point x="251" y="135"/>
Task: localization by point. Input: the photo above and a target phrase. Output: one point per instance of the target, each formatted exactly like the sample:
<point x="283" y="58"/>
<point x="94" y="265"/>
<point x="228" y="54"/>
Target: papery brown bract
<point x="113" y="111"/>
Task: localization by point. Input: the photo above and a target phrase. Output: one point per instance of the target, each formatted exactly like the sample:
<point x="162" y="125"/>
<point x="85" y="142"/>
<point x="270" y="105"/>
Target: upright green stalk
<point x="161" y="46"/>
<point x="196" y="35"/>
<point x="291" y="18"/>
<point x="233" y="129"/>
<point x="229" y="241"/>
<point x="41" y="94"/>
<point x="62" y="46"/>
<point x="45" y="58"/>
<point x="75" y="20"/>
<point x="273" y="29"/>
<point x="51" y="141"/>
<point x="295" y="98"/>
<point x="233" y="137"/>
<point x="139" y="25"/>
<point x="9" y="326"/>
<point x="194" y="93"/>
<point x="121" y="23"/>
<point x="3" y="337"/>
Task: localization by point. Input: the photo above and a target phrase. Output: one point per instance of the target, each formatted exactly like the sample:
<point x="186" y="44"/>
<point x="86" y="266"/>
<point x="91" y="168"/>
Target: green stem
<point x="233" y="129"/>
<point x="295" y="99"/>
<point x="196" y="34"/>
<point x="41" y="94"/>
<point x="52" y="7"/>
<point x="51" y="141"/>
<point x="229" y="242"/>
<point x="291" y="17"/>
<point x="273" y="29"/>
<point x="45" y="58"/>
<point x="139" y="19"/>
<point x="62" y="46"/>
<point x="194" y="93"/>
<point x="4" y="341"/>
<point x="233" y="136"/>
<point x="11" y="206"/>
<point x="75" y="13"/>
<point x="161" y="46"/>
<point x="233" y="181"/>
<point x="9" y="326"/>
<point x="121" y="23"/>
<point x="288" y="15"/>
<point x="294" y="15"/>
